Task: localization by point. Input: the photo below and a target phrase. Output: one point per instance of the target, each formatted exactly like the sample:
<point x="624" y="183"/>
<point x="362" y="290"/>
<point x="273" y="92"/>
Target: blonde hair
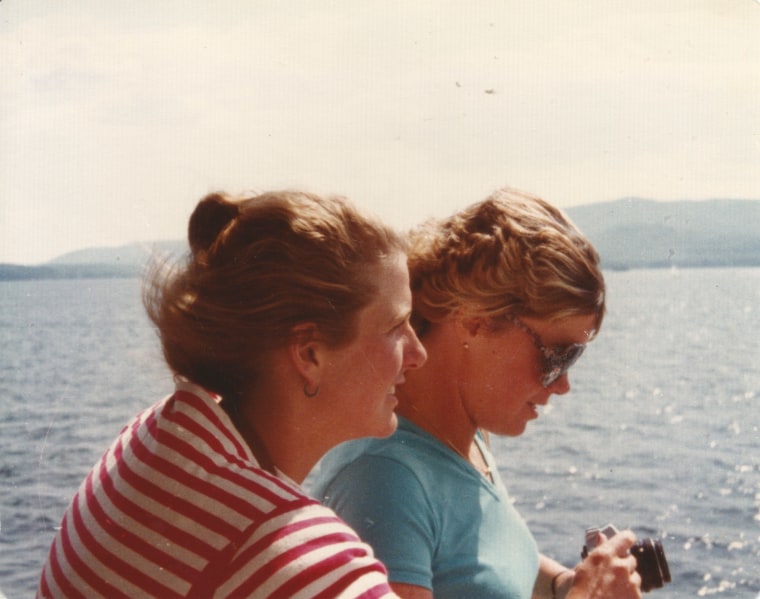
<point x="512" y="254"/>
<point x="258" y="267"/>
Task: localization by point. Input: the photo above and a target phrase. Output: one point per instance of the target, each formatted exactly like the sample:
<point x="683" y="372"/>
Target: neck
<point x="436" y="421"/>
<point x="431" y="398"/>
<point x="424" y="401"/>
<point x="279" y="441"/>
<point x="465" y="446"/>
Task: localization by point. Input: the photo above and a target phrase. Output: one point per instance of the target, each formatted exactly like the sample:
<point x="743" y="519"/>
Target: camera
<point x="651" y="563"/>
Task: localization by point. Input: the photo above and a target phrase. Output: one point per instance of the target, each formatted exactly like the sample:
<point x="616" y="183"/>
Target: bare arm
<point x="411" y="591"/>
<point x="608" y="571"/>
<point x="552" y="576"/>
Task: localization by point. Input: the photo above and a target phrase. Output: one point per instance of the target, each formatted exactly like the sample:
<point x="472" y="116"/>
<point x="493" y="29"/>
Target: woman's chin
<point x="389" y="428"/>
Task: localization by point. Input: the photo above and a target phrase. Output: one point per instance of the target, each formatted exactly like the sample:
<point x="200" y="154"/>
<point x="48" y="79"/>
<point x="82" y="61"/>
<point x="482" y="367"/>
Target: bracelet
<point x="554" y="582"/>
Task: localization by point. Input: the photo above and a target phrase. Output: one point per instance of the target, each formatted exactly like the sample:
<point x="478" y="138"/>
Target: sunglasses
<point x="557" y="360"/>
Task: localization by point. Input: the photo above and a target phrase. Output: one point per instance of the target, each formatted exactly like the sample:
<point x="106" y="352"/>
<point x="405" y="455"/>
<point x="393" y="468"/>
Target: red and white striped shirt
<point x="179" y="507"/>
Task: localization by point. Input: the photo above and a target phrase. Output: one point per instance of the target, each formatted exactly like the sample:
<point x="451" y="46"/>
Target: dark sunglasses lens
<point x="571" y="356"/>
<point x="559" y="364"/>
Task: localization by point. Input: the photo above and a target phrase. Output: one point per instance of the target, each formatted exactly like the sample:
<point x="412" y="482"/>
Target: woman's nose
<point x="416" y="354"/>
<point x="561" y="385"/>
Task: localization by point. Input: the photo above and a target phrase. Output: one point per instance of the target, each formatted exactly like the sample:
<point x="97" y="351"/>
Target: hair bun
<point x="212" y="214"/>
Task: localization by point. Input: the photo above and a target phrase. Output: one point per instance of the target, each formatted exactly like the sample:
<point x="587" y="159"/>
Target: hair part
<point x="258" y="267"/>
<point x="512" y="254"/>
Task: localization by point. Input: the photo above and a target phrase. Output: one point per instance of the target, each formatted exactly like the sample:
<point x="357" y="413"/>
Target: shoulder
<point x="299" y="548"/>
<point x="186" y="457"/>
<point x="407" y="455"/>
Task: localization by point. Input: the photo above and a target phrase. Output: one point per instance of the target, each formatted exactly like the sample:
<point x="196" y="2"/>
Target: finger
<point x="622" y="542"/>
<point x="636" y="579"/>
<point x="631" y="563"/>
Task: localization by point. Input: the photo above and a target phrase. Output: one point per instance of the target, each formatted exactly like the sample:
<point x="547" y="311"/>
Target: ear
<point x="469" y="327"/>
<point x="306" y="353"/>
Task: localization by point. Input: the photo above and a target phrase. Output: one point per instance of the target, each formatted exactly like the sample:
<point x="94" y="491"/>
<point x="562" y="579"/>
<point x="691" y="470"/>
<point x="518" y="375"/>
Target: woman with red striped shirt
<point x="287" y="331"/>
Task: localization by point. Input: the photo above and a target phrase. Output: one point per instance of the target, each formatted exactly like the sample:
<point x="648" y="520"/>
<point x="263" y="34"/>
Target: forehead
<point x="391" y="277"/>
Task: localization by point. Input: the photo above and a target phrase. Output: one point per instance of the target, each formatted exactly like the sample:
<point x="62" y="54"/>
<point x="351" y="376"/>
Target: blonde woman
<point x="506" y="295"/>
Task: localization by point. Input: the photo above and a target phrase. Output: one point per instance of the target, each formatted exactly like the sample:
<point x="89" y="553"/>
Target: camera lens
<point x="651" y="564"/>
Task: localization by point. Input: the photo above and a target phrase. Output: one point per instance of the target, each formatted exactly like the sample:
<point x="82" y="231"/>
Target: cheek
<point x="505" y="365"/>
<point x="480" y="374"/>
<point x="394" y="349"/>
<point x="505" y="373"/>
<point x="383" y="360"/>
<point x="523" y="367"/>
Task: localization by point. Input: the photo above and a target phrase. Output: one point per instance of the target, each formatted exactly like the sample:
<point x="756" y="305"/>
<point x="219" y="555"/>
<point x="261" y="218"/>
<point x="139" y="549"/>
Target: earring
<point x="308" y="393"/>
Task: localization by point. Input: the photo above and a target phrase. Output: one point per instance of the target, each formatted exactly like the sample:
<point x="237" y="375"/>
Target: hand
<point x="609" y="571"/>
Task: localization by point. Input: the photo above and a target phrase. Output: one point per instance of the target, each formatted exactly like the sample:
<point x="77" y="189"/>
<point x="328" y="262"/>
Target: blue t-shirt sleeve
<point x="384" y="502"/>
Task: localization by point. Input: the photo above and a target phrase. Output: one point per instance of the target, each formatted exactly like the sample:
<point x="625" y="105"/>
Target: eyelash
<point x="400" y="325"/>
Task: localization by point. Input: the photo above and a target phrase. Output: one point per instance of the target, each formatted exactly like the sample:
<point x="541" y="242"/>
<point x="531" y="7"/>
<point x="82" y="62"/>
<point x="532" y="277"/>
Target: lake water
<point x="661" y="432"/>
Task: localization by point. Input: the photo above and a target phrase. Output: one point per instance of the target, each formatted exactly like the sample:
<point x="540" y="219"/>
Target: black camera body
<point x="651" y="563"/>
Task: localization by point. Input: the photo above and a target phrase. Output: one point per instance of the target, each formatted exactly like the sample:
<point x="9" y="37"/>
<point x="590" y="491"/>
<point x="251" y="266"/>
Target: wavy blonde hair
<point x="258" y="267"/>
<point x="512" y="254"/>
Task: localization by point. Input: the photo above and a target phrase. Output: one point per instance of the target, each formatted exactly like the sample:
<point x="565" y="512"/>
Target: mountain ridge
<point x="628" y="233"/>
<point x="641" y="233"/>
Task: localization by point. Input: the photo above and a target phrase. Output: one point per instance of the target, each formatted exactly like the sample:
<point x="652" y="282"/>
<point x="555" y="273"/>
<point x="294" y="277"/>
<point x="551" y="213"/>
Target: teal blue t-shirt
<point x="431" y="518"/>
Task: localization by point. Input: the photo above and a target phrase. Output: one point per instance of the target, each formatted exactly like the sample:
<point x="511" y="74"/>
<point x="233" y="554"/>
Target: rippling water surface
<point x="661" y="432"/>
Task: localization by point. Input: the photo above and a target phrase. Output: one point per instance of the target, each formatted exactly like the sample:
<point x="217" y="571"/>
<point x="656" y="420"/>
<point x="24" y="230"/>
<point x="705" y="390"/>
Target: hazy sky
<point x="116" y="117"/>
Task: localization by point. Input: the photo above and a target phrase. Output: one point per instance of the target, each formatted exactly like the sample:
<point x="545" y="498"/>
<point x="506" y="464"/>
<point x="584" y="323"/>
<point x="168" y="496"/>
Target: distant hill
<point x="639" y="233"/>
<point x="17" y="272"/>
<point x="93" y="263"/>
<point x="135" y="254"/>
<point x="629" y="233"/>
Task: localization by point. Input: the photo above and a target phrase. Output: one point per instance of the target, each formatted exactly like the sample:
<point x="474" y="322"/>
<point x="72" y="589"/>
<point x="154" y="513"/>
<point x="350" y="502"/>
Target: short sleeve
<point x="302" y="549"/>
<point x="386" y="504"/>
